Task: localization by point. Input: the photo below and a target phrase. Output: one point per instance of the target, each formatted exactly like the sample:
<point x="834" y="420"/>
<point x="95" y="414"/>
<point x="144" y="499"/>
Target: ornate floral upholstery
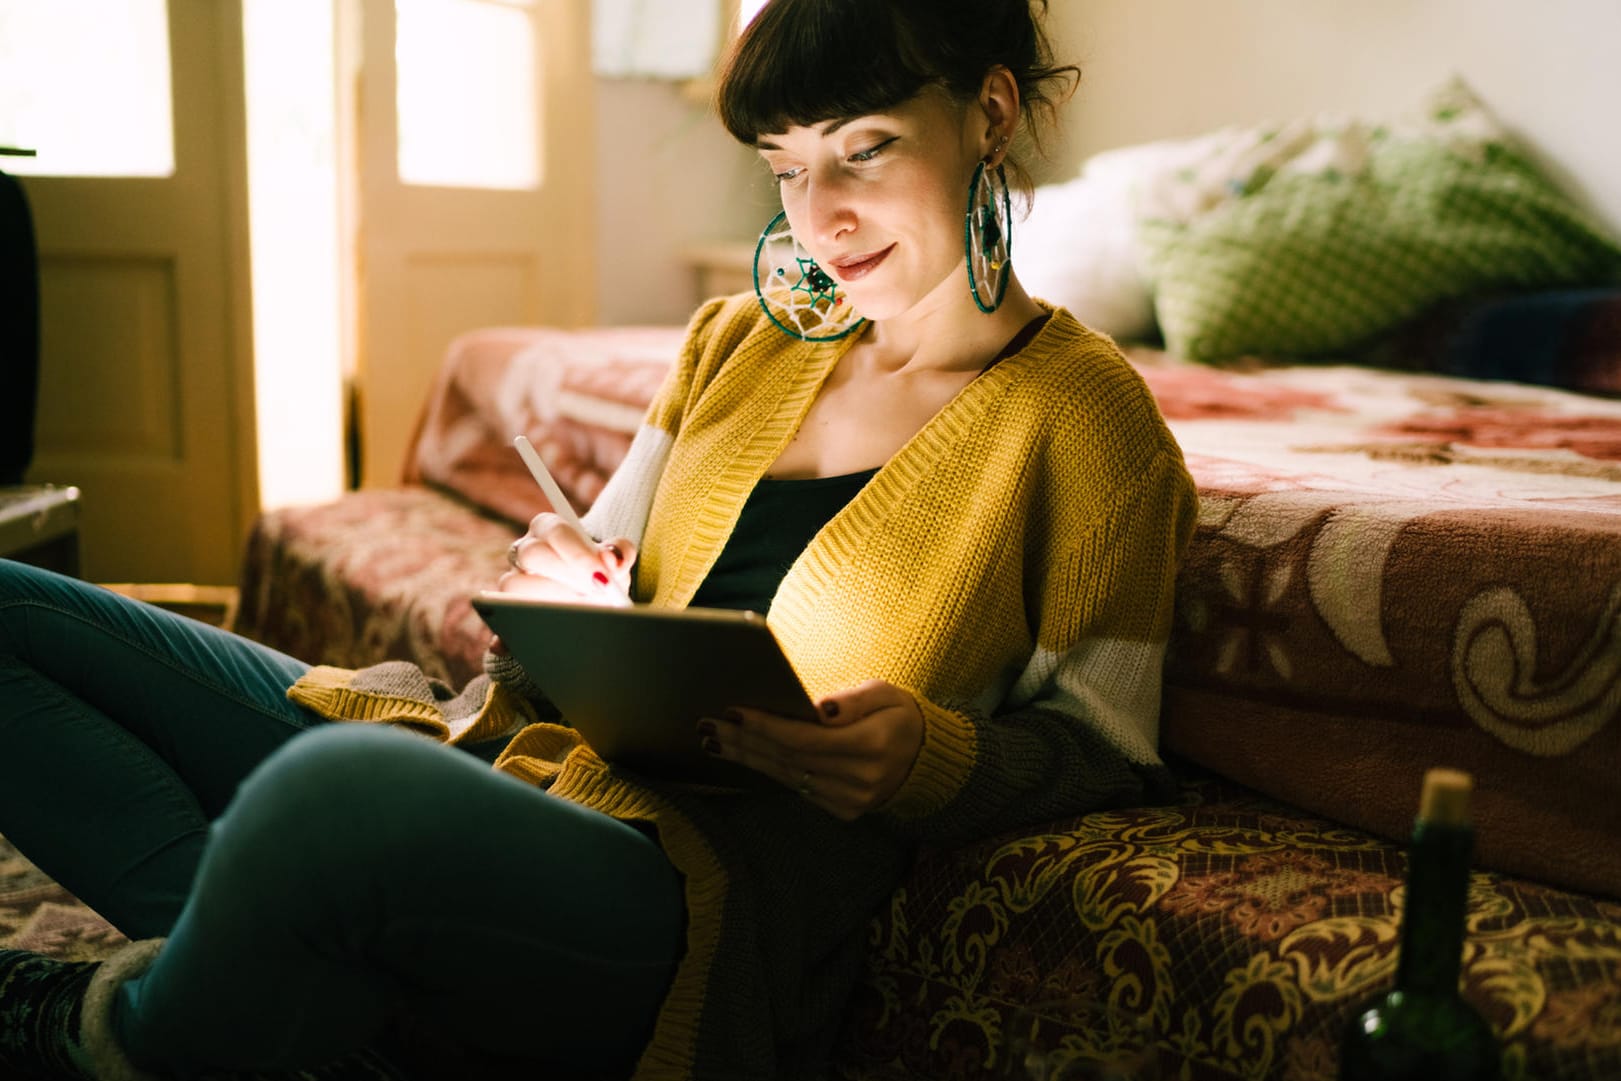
<point x="1228" y="936"/>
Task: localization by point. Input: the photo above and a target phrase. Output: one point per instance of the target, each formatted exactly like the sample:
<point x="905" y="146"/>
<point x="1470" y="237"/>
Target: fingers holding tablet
<point x="852" y="761"/>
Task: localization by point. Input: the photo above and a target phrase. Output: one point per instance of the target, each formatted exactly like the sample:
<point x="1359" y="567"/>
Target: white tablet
<point x="634" y="681"/>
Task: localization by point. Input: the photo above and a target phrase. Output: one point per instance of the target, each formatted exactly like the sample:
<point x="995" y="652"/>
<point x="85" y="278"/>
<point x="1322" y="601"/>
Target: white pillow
<point x="1078" y="245"/>
<point x="1076" y="250"/>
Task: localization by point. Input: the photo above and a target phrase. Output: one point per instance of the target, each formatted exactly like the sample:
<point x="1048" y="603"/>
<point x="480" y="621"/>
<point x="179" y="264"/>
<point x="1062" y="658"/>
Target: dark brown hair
<point x="802" y="62"/>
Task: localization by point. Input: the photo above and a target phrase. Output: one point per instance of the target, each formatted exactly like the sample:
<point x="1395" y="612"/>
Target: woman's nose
<point x="829" y="211"/>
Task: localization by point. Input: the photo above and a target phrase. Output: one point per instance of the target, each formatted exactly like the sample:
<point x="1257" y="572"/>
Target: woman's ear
<point x="999" y="101"/>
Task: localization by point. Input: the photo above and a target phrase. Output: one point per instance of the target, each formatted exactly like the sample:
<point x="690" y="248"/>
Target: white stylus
<point x="543" y="477"/>
<point x="554" y="495"/>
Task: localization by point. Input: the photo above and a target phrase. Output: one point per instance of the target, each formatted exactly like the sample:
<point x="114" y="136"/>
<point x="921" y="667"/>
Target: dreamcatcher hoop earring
<point x="987" y="237"/>
<point x="794" y="292"/>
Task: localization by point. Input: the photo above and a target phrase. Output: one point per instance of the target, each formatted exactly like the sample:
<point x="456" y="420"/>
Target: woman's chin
<point x="879" y="304"/>
<point x="872" y="314"/>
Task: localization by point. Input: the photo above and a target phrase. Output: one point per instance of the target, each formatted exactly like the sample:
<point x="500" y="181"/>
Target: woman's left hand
<point x="851" y="760"/>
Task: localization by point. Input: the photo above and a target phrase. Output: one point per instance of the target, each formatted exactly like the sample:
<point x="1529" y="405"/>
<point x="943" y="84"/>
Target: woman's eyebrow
<point x="827" y="129"/>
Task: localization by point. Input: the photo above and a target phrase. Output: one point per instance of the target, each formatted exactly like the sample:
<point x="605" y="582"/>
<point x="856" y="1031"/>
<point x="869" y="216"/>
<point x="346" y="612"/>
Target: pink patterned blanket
<point x="1397" y="571"/>
<point x="577" y="396"/>
<point x="1392" y="570"/>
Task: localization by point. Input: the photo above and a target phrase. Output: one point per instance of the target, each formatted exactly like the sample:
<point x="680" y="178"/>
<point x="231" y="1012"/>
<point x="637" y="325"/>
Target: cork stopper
<point x="1445" y="801"/>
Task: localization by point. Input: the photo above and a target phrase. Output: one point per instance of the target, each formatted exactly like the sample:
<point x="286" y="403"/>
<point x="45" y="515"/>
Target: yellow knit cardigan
<point x="1012" y="566"/>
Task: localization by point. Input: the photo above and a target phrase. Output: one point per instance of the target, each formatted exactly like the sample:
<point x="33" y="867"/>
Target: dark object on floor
<point x="19" y="331"/>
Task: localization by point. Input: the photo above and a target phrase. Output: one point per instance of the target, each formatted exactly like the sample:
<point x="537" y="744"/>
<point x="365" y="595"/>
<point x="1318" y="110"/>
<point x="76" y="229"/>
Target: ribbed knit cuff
<point x="328" y="691"/>
<point x="504" y="669"/>
<point x="942" y="766"/>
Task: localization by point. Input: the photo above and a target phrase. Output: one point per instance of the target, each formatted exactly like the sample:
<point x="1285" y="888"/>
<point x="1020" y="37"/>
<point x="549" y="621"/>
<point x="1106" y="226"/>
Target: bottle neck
<point x="1437" y="899"/>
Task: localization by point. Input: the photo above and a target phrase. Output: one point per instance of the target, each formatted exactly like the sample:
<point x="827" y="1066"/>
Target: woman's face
<point x="878" y="200"/>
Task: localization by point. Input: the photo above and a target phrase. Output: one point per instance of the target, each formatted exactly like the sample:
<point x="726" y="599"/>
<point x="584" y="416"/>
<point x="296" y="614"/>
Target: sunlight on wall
<point x="468" y="94"/>
<point x="747" y="10"/>
<point x="86" y="83"/>
<point x="294" y="228"/>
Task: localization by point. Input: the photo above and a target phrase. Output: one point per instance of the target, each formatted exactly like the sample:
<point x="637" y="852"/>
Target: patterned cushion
<point x="374" y="576"/>
<point x="1225" y="937"/>
<point x="1316" y="238"/>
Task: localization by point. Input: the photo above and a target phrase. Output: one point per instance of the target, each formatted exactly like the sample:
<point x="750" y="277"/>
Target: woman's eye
<point x="786" y="175"/>
<point x="870" y="152"/>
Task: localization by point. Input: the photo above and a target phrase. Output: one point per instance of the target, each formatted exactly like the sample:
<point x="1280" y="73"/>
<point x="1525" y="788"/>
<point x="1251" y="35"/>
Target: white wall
<point x="1550" y="70"/>
<point x="669" y="177"/>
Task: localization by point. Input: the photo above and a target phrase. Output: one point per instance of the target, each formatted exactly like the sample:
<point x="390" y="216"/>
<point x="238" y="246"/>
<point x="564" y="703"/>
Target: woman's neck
<point x="946" y="331"/>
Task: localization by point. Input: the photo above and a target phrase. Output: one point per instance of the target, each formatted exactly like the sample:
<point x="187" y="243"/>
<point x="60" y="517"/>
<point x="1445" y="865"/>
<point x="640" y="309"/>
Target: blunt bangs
<point x="804" y="62"/>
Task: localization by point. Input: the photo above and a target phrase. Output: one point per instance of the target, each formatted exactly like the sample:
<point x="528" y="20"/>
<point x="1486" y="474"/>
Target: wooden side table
<point x="214" y="605"/>
<point x="721" y="269"/>
<point x="39" y="524"/>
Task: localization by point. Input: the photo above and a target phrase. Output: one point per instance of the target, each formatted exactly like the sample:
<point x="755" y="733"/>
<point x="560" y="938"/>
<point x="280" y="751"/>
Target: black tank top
<point x="777" y="522"/>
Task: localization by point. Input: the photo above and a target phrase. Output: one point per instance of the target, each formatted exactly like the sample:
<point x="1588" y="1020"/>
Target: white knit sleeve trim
<point x="622" y="507"/>
<point x="1110" y="684"/>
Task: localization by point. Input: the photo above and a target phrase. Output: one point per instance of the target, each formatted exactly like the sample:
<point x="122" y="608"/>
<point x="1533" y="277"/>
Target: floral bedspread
<point x="1392" y="570"/>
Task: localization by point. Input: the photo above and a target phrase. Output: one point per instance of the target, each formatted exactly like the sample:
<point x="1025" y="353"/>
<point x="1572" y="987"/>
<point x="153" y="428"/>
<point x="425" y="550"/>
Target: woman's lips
<point x="849" y="270"/>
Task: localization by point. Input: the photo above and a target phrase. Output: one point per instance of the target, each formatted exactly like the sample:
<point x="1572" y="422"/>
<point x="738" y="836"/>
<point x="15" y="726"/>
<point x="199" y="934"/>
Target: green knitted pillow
<point x="1342" y="234"/>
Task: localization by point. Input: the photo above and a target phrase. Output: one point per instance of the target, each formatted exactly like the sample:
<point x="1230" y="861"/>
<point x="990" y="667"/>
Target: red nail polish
<point x="706" y="728"/>
<point x="599" y="578"/>
<point x="711" y="746"/>
<point x="830" y="708"/>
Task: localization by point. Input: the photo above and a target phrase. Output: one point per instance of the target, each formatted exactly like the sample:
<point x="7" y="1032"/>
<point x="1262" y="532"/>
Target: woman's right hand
<point x="554" y="562"/>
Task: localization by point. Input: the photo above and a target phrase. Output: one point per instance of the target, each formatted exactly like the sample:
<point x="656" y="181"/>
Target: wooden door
<point x="145" y="376"/>
<point x="436" y="260"/>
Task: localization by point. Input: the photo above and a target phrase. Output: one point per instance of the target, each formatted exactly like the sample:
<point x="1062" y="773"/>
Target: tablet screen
<point x="635" y="681"/>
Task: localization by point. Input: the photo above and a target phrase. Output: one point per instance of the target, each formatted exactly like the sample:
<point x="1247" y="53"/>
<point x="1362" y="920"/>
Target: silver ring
<point x="512" y="555"/>
<point x="805" y="784"/>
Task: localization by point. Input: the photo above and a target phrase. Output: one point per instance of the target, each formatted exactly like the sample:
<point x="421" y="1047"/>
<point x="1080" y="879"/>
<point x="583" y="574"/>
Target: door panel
<point x="129" y="408"/>
<point x="438" y="261"/>
<point x="142" y="304"/>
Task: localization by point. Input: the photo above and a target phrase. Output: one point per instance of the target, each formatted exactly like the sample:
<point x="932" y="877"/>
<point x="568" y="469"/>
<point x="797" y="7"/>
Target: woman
<point x="960" y="507"/>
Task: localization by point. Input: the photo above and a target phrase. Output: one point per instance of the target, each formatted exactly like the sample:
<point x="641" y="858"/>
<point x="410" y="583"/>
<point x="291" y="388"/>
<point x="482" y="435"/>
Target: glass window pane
<point x="298" y="290"/>
<point x="86" y="83"/>
<point x="467" y="94"/>
<point x="634" y="39"/>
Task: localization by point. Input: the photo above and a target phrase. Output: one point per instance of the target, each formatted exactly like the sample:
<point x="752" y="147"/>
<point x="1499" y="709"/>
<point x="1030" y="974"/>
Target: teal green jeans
<point x="315" y="881"/>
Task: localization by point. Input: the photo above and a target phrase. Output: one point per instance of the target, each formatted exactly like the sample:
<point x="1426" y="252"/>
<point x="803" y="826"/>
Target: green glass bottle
<point x="1422" y="1029"/>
